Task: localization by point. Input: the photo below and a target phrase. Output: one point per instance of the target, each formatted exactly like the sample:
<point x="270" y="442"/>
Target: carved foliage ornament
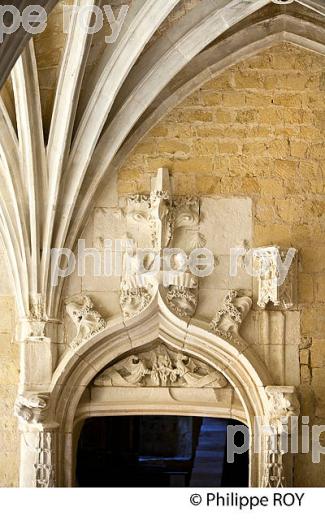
<point x="134" y="300"/>
<point x="31" y="409"/>
<point x="87" y="320"/>
<point x="182" y="300"/>
<point x="229" y="318"/>
<point x="283" y="403"/>
<point x="161" y="367"/>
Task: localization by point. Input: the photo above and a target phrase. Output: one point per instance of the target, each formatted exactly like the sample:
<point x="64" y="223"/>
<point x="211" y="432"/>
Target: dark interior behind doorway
<point x="157" y="451"/>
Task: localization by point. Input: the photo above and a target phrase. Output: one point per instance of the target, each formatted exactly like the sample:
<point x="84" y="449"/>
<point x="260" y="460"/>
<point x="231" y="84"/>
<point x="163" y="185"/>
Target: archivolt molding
<point x="79" y="366"/>
<point x="127" y="339"/>
<point x="155" y="349"/>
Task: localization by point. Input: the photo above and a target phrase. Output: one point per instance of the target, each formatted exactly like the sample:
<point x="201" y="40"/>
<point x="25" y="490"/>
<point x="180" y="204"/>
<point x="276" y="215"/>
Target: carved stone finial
<point x="87" y="320"/>
<point x="229" y="318"/>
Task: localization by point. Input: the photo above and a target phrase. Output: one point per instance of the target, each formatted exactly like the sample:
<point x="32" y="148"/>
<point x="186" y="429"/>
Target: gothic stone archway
<point x="49" y="440"/>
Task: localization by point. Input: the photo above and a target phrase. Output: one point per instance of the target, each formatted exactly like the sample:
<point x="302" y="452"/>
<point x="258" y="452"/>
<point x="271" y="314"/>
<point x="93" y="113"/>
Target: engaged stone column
<point x="37" y="337"/>
<point x="38" y="456"/>
<point x="281" y="423"/>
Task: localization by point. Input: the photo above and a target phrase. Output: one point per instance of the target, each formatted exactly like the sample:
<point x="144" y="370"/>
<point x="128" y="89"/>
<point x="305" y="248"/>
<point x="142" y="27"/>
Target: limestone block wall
<point x="9" y="375"/>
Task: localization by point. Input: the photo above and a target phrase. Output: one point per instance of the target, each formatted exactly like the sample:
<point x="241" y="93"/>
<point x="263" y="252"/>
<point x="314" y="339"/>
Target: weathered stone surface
<point x="218" y="218"/>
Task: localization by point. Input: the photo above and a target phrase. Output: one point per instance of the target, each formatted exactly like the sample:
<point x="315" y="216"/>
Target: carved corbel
<point x="283" y="404"/>
<point x="32" y="408"/>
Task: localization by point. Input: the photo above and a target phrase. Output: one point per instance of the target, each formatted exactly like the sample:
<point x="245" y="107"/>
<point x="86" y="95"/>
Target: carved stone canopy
<point x="161" y="367"/>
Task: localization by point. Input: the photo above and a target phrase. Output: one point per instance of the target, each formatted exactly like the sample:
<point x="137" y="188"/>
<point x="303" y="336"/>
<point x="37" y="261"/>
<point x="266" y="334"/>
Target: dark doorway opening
<point x="158" y="451"/>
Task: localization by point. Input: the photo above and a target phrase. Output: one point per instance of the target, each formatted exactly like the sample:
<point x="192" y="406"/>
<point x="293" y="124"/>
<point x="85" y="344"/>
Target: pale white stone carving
<point x="87" y="320"/>
<point x="155" y="222"/>
<point x="186" y="220"/>
<point x="271" y="286"/>
<point x="182" y="300"/>
<point x="161" y="366"/>
<point x="37" y="311"/>
<point x="45" y="465"/>
<point x="64" y="221"/>
<point x="134" y="300"/>
<point x="156" y="210"/>
<point x="31" y="409"/>
<point x="283" y="404"/>
<point x="34" y="326"/>
<point x="230" y="317"/>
